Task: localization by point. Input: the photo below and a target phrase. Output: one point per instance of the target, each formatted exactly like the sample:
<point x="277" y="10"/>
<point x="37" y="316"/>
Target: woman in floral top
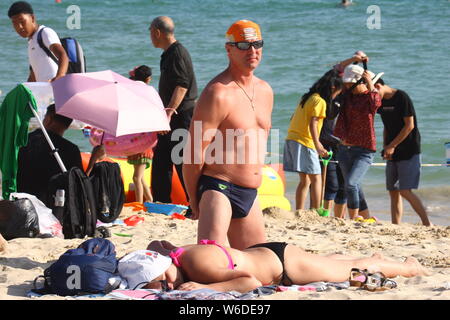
<point x="355" y="128"/>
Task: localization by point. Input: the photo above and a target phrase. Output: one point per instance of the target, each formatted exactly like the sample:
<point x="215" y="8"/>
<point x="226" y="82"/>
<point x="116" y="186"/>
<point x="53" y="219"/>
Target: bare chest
<point x="245" y="114"/>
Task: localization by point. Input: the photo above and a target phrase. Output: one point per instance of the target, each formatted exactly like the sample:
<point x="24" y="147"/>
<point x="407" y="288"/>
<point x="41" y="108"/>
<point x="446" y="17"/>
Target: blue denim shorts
<point x="298" y="158"/>
<point x="403" y="174"/>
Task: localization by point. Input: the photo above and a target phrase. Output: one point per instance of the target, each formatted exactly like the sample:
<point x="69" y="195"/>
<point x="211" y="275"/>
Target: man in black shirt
<point x="178" y="91"/>
<point x="36" y="161"/>
<point x="401" y="150"/>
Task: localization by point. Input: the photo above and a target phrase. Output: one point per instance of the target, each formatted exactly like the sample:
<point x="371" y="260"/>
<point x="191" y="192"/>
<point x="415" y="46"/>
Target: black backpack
<point x="71" y="198"/>
<point x="77" y="60"/>
<point x="108" y="190"/>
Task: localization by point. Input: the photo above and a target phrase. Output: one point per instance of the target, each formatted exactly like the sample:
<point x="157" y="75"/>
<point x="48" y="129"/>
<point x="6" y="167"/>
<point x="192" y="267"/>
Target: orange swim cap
<point x="243" y="30"/>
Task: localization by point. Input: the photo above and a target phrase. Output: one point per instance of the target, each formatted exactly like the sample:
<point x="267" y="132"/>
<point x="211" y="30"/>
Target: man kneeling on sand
<point x="222" y="177"/>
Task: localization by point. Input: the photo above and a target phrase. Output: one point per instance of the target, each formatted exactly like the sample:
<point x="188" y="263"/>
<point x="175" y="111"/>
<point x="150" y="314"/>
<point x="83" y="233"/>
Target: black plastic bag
<point x="18" y="219"/>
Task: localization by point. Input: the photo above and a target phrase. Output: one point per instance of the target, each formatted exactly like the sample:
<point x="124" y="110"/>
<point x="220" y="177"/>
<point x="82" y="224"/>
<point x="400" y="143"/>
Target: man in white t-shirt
<point x="43" y="68"/>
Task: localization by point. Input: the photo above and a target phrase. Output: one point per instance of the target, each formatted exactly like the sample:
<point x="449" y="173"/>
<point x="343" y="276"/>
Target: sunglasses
<point x="244" y="45"/>
<point x="164" y="285"/>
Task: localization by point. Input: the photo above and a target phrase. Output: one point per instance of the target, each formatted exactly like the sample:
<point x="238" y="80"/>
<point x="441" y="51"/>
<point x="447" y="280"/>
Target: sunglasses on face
<point x="164" y="285"/>
<point x="244" y="45"/>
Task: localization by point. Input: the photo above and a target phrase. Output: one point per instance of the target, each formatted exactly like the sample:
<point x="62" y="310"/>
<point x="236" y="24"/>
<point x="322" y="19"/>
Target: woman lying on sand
<point x="209" y="265"/>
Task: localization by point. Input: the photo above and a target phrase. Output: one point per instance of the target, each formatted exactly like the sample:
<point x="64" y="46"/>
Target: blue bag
<point x="84" y="270"/>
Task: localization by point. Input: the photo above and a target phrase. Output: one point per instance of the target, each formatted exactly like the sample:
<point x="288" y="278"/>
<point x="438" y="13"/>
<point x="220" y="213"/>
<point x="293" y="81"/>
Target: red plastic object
<point x="133" y="220"/>
<point x="177" y="216"/>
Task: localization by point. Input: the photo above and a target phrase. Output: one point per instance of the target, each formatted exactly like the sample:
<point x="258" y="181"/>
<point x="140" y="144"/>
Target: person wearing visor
<point x="223" y="170"/>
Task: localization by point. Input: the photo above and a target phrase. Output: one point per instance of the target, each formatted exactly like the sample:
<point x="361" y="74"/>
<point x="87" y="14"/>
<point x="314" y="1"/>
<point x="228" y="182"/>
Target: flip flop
<point x="370" y="220"/>
<point x="378" y="282"/>
<point x="133" y="220"/>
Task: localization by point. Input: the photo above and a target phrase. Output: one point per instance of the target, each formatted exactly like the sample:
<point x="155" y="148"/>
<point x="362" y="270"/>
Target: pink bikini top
<point x="175" y="255"/>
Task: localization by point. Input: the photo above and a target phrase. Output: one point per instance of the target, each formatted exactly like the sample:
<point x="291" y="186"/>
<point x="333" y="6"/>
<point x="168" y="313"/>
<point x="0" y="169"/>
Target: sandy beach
<point x="25" y="259"/>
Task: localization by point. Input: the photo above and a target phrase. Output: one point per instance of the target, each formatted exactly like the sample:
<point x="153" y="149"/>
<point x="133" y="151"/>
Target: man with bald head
<point x="223" y="170"/>
<point x="178" y="91"/>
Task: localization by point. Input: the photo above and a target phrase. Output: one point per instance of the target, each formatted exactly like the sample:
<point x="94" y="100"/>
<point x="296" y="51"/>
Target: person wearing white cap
<point x="140" y="267"/>
<point x="208" y="265"/>
<point x="334" y="186"/>
<point x="355" y="129"/>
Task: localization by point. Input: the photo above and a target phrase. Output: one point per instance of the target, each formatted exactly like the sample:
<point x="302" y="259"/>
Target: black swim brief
<point x="241" y="198"/>
<point x="278" y="248"/>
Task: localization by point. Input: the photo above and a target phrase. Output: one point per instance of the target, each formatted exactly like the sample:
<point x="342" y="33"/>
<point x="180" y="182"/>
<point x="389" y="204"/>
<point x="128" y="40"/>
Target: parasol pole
<point x="54" y="150"/>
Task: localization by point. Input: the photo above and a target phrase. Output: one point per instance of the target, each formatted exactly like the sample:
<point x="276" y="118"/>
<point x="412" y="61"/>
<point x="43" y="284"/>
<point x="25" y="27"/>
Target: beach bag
<point x="18" y="219"/>
<point x="71" y="198"/>
<point x="77" y="60"/>
<point x="108" y="190"/>
<point x="84" y="270"/>
<point x="48" y="224"/>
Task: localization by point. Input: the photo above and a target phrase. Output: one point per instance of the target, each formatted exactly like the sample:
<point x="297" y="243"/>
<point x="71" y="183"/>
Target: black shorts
<point x="241" y="198"/>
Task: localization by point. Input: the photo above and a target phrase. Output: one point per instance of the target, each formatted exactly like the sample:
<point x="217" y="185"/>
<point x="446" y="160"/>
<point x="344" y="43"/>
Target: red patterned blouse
<point x="355" y="124"/>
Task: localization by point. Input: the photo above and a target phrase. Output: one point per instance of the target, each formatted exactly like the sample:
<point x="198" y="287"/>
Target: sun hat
<point x="353" y="73"/>
<point x="243" y="30"/>
<point x="142" y="266"/>
<point x="376" y="77"/>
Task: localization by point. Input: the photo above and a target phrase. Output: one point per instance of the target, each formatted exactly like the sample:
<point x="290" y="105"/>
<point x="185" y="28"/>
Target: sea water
<point x="408" y="40"/>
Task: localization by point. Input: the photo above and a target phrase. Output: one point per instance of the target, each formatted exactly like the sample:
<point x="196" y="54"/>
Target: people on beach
<point x="178" y="91"/>
<point x="210" y="265"/>
<point x="401" y="149"/>
<point x="141" y="161"/>
<point x="42" y="67"/>
<point x="36" y="161"/>
<point x="334" y="195"/>
<point x="355" y="129"/>
<point x="223" y="165"/>
<point x="302" y="146"/>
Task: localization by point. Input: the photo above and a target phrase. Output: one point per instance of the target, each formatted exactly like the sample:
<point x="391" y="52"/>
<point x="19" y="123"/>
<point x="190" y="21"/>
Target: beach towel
<point x="209" y="294"/>
<point x="15" y="116"/>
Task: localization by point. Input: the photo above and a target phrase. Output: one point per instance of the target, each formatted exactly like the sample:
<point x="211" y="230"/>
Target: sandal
<point x="378" y="282"/>
<point x="358" y="277"/>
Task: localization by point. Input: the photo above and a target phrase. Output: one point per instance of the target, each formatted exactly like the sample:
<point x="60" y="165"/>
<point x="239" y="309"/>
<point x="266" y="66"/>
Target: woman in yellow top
<point x="302" y="147"/>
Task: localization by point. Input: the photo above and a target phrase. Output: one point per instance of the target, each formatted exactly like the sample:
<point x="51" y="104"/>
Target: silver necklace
<point x="248" y="97"/>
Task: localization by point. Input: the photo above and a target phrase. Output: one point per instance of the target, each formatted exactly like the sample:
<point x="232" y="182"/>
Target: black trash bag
<point x="18" y="219"/>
